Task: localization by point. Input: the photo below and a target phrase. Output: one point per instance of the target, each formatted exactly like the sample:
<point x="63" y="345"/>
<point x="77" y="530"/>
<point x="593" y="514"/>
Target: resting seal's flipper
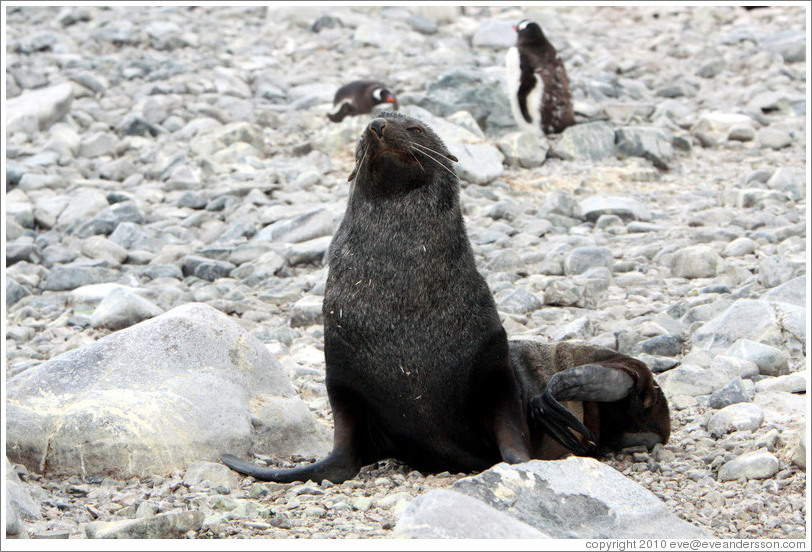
<point x="588" y="382"/>
<point x="549" y="416"/>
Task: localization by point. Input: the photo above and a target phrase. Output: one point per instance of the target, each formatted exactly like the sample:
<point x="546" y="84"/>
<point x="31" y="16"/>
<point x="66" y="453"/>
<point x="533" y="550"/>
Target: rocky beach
<point x="172" y="186"/>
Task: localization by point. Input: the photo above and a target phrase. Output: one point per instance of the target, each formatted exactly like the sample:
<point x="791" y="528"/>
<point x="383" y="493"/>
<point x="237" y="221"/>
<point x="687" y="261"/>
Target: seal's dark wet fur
<point x="418" y="366"/>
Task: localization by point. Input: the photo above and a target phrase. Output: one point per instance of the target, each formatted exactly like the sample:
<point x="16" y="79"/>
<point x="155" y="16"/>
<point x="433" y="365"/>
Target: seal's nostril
<point x="377" y="125"/>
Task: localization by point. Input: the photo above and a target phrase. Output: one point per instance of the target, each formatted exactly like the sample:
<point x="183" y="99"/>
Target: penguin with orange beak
<point x="359" y="97"/>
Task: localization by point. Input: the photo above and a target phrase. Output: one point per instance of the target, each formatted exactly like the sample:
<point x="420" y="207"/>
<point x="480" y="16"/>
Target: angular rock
<point x="19" y="497"/>
<point x="306" y="311"/>
<point x="774" y="271"/>
<point x="518" y="301"/>
<point x="98" y="247"/>
<point x="770" y="361"/>
<point x="478" y="163"/>
<point x="736" y="417"/>
<point x="733" y="393"/>
<point x="582" y="259"/>
<point x="696" y="261"/>
<point x="744" y="319"/>
<point x="523" y="149"/>
<point x="14" y="292"/>
<point x="799" y="456"/>
<point x="121" y="309"/>
<point x="669" y="345"/>
<point x="68" y="277"/>
<point x="692" y="380"/>
<point x="650" y="143"/>
<point x="444" y="514"/>
<point x="588" y="142"/>
<point x="599" y="501"/>
<point x="717" y="124"/>
<point x="37" y="110"/>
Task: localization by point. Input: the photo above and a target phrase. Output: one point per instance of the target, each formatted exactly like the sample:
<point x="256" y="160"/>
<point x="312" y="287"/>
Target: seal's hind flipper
<point x="551" y="417"/>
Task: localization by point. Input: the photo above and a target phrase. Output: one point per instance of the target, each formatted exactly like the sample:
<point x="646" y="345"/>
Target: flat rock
<point x="593" y="207"/>
<point x="789" y="383"/>
<point x="161" y="526"/>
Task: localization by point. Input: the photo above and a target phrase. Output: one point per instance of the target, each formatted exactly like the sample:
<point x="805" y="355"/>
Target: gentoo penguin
<point x="537" y="82"/>
<point x="360" y="97"/>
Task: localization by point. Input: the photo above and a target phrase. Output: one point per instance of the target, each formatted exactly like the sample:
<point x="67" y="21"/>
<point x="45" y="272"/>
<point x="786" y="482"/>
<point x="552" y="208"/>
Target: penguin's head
<point x="528" y="31"/>
<point x="384" y="95"/>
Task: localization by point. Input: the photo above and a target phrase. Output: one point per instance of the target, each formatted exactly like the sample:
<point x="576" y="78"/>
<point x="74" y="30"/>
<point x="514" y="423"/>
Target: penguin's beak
<point x="391" y="100"/>
<point x="515" y="28"/>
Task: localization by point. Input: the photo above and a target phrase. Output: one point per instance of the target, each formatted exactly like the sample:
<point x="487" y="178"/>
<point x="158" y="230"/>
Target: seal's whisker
<point x="440" y="163"/>
<point x="418" y="160"/>
<point x="435" y="151"/>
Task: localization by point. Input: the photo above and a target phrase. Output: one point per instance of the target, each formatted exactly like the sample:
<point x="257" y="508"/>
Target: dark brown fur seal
<point x="418" y="366"/>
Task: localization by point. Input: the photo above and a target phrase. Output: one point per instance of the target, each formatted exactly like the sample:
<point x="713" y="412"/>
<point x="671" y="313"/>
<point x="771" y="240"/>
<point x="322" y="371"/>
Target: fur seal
<point x="418" y="365"/>
<point x="537" y="80"/>
<point x="359" y="97"/>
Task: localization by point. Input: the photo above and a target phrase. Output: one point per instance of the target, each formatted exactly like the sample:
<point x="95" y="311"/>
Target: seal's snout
<point x="377" y="125"/>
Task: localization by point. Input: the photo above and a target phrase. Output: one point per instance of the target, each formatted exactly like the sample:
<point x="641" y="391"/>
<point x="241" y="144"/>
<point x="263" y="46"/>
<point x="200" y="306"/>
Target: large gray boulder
<point x="573" y="498"/>
<point x="182" y="387"/>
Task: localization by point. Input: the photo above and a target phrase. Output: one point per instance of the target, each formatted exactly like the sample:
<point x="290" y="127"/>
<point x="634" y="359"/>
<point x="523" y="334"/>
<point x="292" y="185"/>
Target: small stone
<point x="121" y="309"/>
<point x="306" y="312"/>
<point x="736" y="417"/>
<point x="770" y="361"/>
<point x="582" y="259"/>
<point x="752" y="465"/>
<point x="696" y="261"/>
<point x="734" y="392"/>
<point x="773" y="139"/>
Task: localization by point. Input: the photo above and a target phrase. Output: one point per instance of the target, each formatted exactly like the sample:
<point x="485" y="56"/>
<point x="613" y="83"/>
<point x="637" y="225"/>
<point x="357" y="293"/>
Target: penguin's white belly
<point x="514" y="80"/>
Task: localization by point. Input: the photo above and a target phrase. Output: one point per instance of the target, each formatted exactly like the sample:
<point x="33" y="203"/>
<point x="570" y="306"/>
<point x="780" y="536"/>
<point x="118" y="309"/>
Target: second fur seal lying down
<point x="418" y="365"/>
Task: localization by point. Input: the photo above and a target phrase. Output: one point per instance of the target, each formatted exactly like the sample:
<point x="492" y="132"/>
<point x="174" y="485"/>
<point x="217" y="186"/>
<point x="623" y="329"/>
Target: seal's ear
<point x="353" y="173"/>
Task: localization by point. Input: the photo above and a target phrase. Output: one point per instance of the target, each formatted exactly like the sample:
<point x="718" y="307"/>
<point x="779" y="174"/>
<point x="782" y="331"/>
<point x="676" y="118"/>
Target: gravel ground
<point x="246" y="64"/>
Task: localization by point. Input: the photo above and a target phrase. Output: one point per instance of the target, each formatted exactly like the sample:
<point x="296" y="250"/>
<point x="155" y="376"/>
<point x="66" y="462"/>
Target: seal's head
<point x="400" y="152"/>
